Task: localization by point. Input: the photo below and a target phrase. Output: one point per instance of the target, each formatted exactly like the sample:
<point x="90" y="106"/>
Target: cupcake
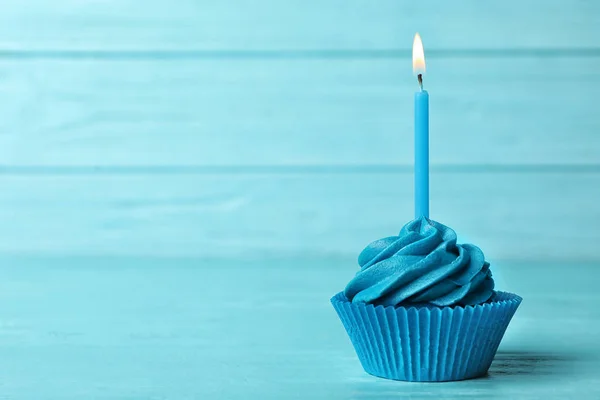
<point x="424" y="308"/>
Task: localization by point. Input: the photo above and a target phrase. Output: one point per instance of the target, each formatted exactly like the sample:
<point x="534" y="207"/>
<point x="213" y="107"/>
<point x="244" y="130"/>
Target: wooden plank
<point x="147" y="328"/>
<point x="296" y="112"/>
<point x="523" y="216"/>
<point x="296" y="24"/>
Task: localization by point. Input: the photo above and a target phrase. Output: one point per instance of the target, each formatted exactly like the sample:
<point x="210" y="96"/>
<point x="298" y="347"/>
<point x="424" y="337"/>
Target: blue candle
<point x="421" y="134"/>
<point x="421" y="154"/>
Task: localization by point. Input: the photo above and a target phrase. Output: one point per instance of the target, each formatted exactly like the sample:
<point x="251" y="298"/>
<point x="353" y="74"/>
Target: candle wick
<point x="420" y="79"/>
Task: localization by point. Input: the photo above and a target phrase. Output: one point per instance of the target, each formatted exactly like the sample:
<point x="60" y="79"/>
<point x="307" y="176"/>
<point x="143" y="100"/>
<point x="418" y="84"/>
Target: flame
<point x="418" y="56"/>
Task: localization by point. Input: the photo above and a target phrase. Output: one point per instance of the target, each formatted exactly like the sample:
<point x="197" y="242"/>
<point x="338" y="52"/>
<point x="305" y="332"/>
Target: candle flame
<point x="418" y="56"/>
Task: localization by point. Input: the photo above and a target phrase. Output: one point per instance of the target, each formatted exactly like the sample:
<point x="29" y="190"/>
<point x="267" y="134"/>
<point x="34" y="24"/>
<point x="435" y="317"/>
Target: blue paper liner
<point x="427" y="343"/>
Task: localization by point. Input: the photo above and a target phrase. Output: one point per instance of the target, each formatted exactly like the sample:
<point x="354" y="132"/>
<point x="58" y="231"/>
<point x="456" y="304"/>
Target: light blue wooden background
<point x="184" y="184"/>
<point x="210" y="128"/>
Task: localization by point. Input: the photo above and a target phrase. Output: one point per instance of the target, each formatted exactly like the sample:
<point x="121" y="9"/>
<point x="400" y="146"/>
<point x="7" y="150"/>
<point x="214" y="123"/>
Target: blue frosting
<point x="423" y="264"/>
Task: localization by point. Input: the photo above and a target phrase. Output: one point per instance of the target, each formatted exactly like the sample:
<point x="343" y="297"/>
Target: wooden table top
<point x="135" y="328"/>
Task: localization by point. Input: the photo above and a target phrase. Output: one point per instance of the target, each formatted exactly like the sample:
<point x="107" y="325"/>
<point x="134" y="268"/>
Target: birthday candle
<point x="421" y="133"/>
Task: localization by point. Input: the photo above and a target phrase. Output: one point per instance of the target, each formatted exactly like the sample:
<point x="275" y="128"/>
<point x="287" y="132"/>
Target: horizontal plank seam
<point x="295" y="169"/>
<point x="132" y="55"/>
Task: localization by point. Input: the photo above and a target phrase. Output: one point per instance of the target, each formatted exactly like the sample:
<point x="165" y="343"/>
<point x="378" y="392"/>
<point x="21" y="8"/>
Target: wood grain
<point x="296" y="112"/>
<point x="515" y="215"/>
<point x="184" y="184"/>
<point x="215" y="129"/>
<point x="135" y="25"/>
<point x="176" y="328"/>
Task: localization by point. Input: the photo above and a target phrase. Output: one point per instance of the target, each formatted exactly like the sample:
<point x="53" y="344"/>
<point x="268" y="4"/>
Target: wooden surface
<point x="176" y="328"/>
<point x="219" y="111"/>
<point x="296" y="24"/>
<point x="210" y="129"/>
<point x="519" y="215"/>
<point x="185" y="184"/>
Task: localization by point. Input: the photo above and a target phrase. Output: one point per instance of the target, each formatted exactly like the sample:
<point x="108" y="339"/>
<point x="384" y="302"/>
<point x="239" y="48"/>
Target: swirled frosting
<point x="423" y="264"/>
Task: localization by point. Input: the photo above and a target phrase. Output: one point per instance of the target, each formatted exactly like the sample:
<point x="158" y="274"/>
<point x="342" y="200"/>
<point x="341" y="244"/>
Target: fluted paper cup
<point x="427" y="343"/>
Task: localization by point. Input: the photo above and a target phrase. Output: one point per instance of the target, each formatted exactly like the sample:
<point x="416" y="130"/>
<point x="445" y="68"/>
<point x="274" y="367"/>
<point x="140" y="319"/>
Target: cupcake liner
<point x="427" y="343"/>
